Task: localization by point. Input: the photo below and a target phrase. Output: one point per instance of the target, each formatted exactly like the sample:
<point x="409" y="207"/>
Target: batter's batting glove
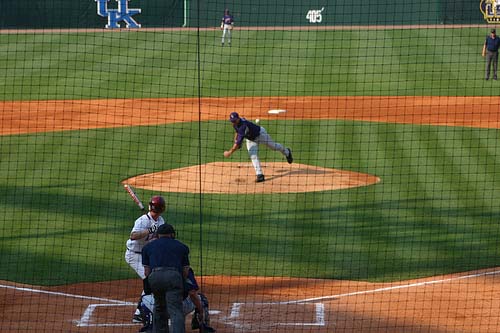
<point x="152" y="229"/>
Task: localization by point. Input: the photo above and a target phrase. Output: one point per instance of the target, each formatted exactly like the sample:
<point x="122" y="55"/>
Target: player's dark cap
<point x="493" y="31"/>
<point x="234" y="116"/>
<point x="166" y="229"/>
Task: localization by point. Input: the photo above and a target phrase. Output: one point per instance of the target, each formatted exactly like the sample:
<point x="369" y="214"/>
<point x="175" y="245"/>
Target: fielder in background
<point x="166" y="265"/>
<point x="490" y="51"/>
<point x="144" y="231"/>
<point x="226" y="26"/>
<point x="254" y="135"/>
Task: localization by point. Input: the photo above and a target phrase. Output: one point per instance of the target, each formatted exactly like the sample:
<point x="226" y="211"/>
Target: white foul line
<point x="85" y="320"/>
<point x="404" y="286"/>
<point x="320" y="307"/>
<point x="66" y="295"/>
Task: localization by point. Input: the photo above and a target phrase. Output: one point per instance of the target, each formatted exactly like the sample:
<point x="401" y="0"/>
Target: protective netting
<point x="361" y="197"/>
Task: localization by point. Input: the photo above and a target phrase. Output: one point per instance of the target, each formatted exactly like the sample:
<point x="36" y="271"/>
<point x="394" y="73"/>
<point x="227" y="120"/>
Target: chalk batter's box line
<point x="86" y="319"/>
<point x="236" y="306"/>
<point x="319" y="313"/>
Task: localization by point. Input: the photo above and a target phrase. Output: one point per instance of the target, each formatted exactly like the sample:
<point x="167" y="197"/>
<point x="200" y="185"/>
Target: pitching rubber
<point x="276" y="111"/>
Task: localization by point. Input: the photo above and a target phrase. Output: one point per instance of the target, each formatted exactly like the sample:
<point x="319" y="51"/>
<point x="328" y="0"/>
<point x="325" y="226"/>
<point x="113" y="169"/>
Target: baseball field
<point x="387" y="221"/>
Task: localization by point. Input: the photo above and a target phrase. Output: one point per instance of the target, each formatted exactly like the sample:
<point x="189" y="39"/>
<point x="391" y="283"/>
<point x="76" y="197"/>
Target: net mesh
<point x="356" y="192"/>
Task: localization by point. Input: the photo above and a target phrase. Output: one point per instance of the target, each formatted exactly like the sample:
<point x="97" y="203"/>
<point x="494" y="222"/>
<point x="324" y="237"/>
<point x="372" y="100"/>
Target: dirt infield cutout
<point x="231" y="177"/>
<point x="447" y="304"/>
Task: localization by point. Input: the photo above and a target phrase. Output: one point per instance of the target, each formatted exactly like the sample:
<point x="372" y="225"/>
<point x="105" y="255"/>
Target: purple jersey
<point x="246" y="129"/>
<point x="227" y="19"/>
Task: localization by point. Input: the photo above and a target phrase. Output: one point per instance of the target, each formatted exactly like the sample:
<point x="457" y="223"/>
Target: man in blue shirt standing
<point x="166" y="265"/>
<point x="490" y="51"/>
<point x="254" y="135"/>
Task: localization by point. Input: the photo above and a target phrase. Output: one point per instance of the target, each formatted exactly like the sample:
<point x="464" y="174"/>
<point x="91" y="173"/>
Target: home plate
<point x="276" y="111"/>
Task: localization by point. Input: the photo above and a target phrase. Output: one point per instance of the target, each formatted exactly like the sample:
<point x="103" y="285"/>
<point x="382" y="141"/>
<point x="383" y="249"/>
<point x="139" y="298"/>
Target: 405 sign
<point x="315" y="15"/>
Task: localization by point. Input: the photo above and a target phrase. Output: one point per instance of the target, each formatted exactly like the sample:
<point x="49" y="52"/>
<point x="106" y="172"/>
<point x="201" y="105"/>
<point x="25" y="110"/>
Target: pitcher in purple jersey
<point x="254" y="135"/>
<point x="226" y="26"/>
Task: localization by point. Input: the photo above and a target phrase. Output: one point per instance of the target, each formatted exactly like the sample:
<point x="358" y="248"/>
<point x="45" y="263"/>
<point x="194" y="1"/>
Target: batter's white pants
<point x="135" y="261"/>
<point x="253" y="148"/>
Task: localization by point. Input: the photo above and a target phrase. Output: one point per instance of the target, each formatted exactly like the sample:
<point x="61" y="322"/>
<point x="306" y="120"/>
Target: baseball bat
<point x="134" y="196"/>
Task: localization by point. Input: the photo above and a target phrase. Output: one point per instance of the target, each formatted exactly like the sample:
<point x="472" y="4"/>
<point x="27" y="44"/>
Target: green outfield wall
<point x="41" y="14"/>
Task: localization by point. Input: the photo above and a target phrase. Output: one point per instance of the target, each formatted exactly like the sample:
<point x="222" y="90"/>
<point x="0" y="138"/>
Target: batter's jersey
<point x="142" y="223"/>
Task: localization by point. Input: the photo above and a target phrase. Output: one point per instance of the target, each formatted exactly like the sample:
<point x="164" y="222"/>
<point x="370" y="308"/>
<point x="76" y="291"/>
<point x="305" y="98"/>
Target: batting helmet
<point x="157" y="204"/>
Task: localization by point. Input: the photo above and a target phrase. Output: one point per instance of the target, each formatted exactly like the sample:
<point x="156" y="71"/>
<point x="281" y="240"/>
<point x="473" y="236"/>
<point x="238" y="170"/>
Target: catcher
<point x="226" y="26"/>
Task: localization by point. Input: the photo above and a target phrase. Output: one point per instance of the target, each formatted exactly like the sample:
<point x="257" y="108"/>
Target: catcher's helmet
<point x="157" y="204"/>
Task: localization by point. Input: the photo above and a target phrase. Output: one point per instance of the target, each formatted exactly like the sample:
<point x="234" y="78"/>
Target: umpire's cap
<point x="234" y="116"/>
<point x="166" y="229"/>
<point x="493" y="31"/>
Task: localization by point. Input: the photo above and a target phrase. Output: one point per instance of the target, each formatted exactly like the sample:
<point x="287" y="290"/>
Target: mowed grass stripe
<point x="434" y="212"/>
<point x="260" y="63"/>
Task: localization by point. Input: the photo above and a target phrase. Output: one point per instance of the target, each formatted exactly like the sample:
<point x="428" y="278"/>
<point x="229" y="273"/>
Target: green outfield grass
<point x="65" y="217"/>
<point x="260" y="63"/>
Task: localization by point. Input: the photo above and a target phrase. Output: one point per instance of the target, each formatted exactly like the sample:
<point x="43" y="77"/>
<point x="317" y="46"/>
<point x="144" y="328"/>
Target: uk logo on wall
<point x="119" y="15"/>
<point x="490" y="10"/>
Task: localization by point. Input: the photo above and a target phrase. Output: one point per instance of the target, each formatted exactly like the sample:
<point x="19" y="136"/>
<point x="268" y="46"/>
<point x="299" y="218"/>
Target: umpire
<point x="166" y="264"/>
<point x="490" y="51"/>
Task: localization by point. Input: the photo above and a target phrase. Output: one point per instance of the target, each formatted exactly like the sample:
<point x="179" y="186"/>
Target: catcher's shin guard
<point x="205" y="325"/>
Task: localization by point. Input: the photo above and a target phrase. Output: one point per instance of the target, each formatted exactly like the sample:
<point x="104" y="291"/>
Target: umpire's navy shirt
<point x="492" y="44"/>
<point x="246" y="129"/>
<point x="165" y="252"/>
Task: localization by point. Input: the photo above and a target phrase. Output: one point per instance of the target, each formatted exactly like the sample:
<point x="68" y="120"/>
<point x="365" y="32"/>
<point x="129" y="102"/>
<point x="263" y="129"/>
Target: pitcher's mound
<point x="230" y="177"/>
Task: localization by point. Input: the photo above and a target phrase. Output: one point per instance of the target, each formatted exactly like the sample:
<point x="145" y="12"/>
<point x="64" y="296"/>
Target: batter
<point x="144" y="230"/>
